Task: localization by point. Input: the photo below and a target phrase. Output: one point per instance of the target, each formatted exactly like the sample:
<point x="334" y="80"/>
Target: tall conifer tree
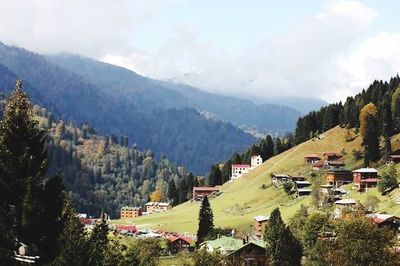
<point x="206" y="221"/>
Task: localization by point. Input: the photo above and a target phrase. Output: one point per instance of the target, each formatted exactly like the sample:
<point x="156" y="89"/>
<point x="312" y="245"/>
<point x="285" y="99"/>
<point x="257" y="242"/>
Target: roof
<point x="304" y="190"/>
<point x="366" y="170"/>
<point x="326" y="186"/>
<point x="251" y="243"/>
<point x="281" y="176"/>
<point x="163" y="204"/>
<point x="240" y="165"/>
<point x="150" y="203"/>
<point x="131" y="228"/>
<point x="312" y="156"/>
<point x="255" y="156"/>
<point x="337" y="163"/>
<point x="395" y="156"/>
<point x="346" y="202"/>
<point x="261" y="218"/>
<point x="127" y="208"/>
<point x="305" y="182"/>
<point x="87" y="221"/>
<point x="339" y="170"/>
<point x="370" y="180"/>
<point x="329" y="154"/>
<point x="318" y="164"/>
<point x="206" y="188"/>
<point x="175" y="238"/>
<point x="228" y="243"/>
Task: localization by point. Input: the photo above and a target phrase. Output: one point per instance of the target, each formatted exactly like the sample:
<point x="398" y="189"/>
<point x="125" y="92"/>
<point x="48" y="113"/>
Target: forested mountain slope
<point x="184" y="135"/>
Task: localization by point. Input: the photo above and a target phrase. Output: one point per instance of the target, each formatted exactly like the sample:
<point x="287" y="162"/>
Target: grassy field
<point x="245" y="198"/>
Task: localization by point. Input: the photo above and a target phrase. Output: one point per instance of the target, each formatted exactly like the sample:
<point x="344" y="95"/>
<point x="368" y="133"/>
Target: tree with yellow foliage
<point x="369" y="129"/>
<point x="157" y="196"/>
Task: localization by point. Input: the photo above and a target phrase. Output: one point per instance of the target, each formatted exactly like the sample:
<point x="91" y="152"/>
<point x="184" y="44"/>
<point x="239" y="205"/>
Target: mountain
<point x="150" y="94"/>
<point x="184" y="134"/>
<point x="253" y="194"/>
<point x="304" y="105"/>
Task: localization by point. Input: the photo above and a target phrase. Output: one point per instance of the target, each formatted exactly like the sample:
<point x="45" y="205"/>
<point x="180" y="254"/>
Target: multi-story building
<point x="130" y="212"/>
<point x="238" y="170"/>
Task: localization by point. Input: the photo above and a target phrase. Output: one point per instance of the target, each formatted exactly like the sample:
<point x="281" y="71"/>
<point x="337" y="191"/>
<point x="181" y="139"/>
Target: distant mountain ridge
<point x="183" y="134"/>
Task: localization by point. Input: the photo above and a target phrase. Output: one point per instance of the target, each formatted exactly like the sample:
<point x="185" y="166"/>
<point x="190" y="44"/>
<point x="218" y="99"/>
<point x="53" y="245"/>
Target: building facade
<point x="130" y="212"/>
<point x="256" y="161"/>
<point x="200" y="192"/>
<point x="238" y="170"/>
<point x="365" y="178"/>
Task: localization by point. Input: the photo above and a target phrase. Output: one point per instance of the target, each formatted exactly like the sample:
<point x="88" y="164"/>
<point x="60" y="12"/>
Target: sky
<point x="255" y="49"/>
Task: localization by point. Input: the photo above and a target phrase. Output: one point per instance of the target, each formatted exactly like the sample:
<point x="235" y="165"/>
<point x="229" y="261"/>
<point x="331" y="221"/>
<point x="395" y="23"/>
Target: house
<point x="339" y="177"/>
<point x="395" y="158"/>
<point x="302" y="188"/>
<point x="256" y="161"/>
<point x="325" y="189"/>
<point x="311" y="158"/>
<point x="238" y="170"/>
<point x="223" y="244"/>
<point x="251" y="253"/>
<point x="154" y="207"/>
<point x="332" y="156"/>
<point x="88" y="224"/>
<point x="365" y="178"/>
<point x="200" y="192"/>
<point x="260" y="223"/>
<point x="337" y="163"/>
<point x="130" y="212"/>
<point x="297" y="178"/>
<point x="317" y="165"/>
<point x="279" y="178"/>
<point x="386" y="220"/>
<point x="178" y="244"/>
<point x="342" y="206"/>
<point x="126" y="229"/>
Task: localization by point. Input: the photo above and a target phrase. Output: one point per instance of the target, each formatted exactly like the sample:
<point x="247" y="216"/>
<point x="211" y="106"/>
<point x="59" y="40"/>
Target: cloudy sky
<point x="253" y="48"/>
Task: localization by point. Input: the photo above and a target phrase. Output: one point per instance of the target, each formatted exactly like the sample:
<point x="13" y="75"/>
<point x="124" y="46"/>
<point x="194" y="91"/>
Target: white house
<point x="256" y="161"/>
<point x="238" y="170"/>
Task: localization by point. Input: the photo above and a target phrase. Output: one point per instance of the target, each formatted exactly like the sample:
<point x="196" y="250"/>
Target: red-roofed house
<point x="312" y="158"/>
<point x="365" y="178"/>
<point x="238" y="170"/>
<point x="332" y="156"/>
<point x="200" y="192"/>
<point x="88" y="223"/>
<point x="127" y="228"/>
<point x="178" y="244"/>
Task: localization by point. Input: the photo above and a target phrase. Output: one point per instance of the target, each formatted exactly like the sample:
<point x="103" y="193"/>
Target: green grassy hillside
<point x="245" y="198"/>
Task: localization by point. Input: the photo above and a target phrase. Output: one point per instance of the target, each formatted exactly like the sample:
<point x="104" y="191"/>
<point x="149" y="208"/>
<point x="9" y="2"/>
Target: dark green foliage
<point x="370" y="133"/>
<point x="282" y="247"/>
<point x="143" y="252"/>
<point x="74" y="246"/>
<point x="99" y="242"/>
<point x="388" y="181"/>
<point x="173" y="193"/>
<point x="33" y="203"/>
<point x="206" y="221"/>
<point x="316" y="225"/>
<point x="347" y="115"/>
<point x="298" y="222"/>
<point x="287" y="187"/>
<point x="204" y="258"/>
<point x="215" y="176"/>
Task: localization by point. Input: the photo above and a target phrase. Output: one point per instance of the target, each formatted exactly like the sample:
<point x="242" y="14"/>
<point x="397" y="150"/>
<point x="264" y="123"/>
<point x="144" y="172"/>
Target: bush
<point x="287" y="187"/>
<point x="202" y="258"/>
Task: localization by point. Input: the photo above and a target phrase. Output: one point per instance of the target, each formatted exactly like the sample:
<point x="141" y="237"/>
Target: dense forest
<point x="385" y="99"/>
<point x="105" y="172"/>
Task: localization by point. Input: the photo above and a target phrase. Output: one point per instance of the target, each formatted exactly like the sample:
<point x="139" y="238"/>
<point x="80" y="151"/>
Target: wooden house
<point x="365" y="178"/>
<point x="200" y="192"/>
<point x="302" y="188"/>
<point x="154" y="207"/>
<point x="343" y="205"/>
<point x="311" y="158"/>
<point x="339" y="177"/>
<point x="178" y="244"/>
<point x="250" y="254"/>
<point x="260" y="223"/>
<point x="332" y="156"/>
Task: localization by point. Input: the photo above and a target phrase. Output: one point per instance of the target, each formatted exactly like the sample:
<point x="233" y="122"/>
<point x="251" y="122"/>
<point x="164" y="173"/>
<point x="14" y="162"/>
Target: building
<point x="279" y="178"/>
<point x="130" y="212"/>
<point x="297" y="178"/>
<point x="126" y="229"/>
<point x="339" y="177"/>
<point x="302" y="188"/>
<point x="256" y="161"/>
<point x="394" y="158"/>
<point x="365" y="178"/>
<point x="200" y="192"/>
<point x="332" y="156"/>
<point x="155" y="207"/>
<point x="317" y="165"/>
<point x="260" y="223"/>
<point x="311" y="158"/>
<point x="223" y="244"/>
<point x="178" y="244"/>
<point x="88" y="224"/>
<point x="238" y="170"/>
<point x="251" y="254"/>
<point x="342" y="206"/>
<point x="386" y="220"/>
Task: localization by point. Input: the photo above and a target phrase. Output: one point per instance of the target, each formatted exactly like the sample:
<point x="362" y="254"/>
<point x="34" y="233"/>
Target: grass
<point x="178" y="260"/>
<point x="244" y="199"/>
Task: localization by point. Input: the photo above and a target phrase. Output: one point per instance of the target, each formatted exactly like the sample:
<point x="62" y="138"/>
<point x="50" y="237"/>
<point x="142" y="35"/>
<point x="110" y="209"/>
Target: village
<point x="251" y="245"/>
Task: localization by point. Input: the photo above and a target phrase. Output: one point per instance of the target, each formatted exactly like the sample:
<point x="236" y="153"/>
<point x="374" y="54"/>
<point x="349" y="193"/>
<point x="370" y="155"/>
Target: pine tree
<point x="99" y="242"/>
<point x="387" y="124"/>
<point x="282" y="247"/>
<point x="206" y="221"/>
<point x="173" y="193"/>
<point x="24" y="192"/>
<point x="215" y="176"/>
<point x="395" y="106"/>
<point x="370" y="132"/>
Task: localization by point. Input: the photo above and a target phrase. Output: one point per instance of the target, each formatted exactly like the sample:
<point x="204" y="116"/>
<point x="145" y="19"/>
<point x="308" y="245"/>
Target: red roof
<point x="312" y="156"/>
<point x="318" y="164"/>
<point x="370" y="180"/>
<point x="240" y="165"/>
<point x="130" y="228"/>
<point x="175" y="238"/>
<point x="86" y="221"/>
<point x="205" y="188"/>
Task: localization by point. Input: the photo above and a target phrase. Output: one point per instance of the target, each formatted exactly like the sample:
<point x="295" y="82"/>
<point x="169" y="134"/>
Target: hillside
<point x="183" y="134"/>
<point x="244" y="199"/>
<point x="148" y="94"/>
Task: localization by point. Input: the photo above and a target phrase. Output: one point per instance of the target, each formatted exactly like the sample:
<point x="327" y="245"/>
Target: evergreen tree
<point x="206" y="221"/>
<point x="215" y="176"/>
<point x="370" y="132"/>
<point x="279" y="146"/>
<point x="173" y="193"/>
<point x="99" y="242"/>
<point x="226" y="171"/>
<point x="73" y="243"/>
<point x="387" y="124"/>
<point x="395" y="104"/>
<point x="282" y="247"/>
<point x="24" y="193"/>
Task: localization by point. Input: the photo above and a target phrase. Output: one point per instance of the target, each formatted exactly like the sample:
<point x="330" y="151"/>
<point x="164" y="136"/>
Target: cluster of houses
<point x="238" y="170"/>
<point x="151" y="207"/>
<point x="300" y="185"/>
